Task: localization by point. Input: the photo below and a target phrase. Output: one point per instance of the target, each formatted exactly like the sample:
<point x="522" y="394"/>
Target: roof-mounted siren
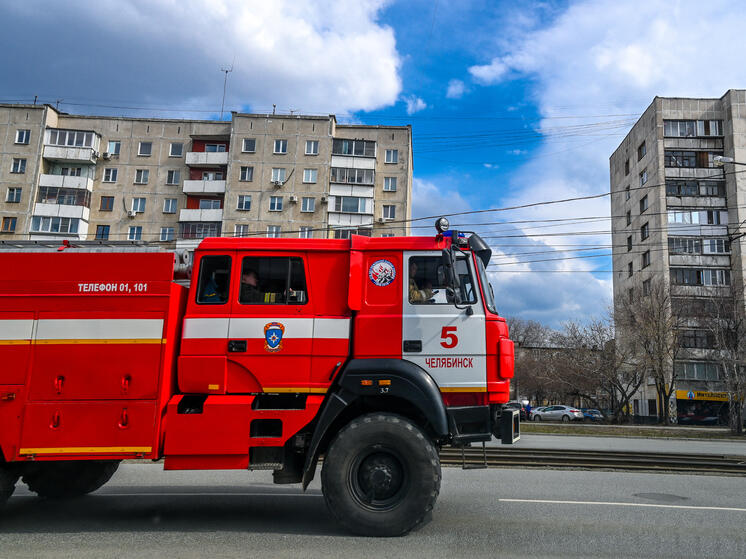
<point x="441" y="226"/>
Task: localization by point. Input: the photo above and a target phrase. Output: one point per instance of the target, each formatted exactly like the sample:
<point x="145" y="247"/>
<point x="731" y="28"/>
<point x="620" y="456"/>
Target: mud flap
<point x="510" y="426"/>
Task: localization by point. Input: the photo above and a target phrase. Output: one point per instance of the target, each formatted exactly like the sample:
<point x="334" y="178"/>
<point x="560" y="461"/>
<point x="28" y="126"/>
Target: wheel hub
<point x="380" y="476"/>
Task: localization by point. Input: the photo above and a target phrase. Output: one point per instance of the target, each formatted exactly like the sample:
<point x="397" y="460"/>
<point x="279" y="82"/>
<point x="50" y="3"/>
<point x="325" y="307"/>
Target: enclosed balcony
<point x="201" y="215"/>
<point x="66" y="181"/>
<point x="71" y="146"/>
<point x="204" y="187"/>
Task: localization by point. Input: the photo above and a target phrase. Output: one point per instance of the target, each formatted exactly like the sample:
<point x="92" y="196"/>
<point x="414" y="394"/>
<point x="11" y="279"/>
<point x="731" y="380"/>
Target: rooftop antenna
<point x="227" y="70"/>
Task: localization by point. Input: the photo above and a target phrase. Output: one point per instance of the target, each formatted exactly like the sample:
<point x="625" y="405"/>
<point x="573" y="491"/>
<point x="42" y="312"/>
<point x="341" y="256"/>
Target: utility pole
<point x="227" y="70"/>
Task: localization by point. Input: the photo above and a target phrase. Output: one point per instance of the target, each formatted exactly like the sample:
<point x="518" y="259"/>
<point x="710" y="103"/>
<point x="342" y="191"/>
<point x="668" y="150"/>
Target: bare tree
<point x="528" y="332"/>
<point x="651" y="333"/>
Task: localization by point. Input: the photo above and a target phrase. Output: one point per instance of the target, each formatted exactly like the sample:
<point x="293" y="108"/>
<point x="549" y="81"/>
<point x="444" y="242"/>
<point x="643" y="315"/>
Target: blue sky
<point x="510" y="102"/>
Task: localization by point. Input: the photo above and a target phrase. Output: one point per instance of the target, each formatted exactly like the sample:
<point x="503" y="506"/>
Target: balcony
<point x="64" y="181"/>
<point x="83" y="155"/>
<point x="207" y="158"/>
<point x="201" y="215"/>
<point x="204" y="187"/>
<point x="62" y="210"/>
<point x="351" y="219"/>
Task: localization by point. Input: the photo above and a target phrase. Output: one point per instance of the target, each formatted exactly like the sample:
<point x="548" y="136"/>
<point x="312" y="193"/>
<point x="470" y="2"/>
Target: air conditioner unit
<point x="324" y="199"/>
<point x="132" y="213"/>
<point x="293" y="199"/>
<point x="381" y="220"/>
<point x="277" y="183"/>
<point x="106" y="155"/>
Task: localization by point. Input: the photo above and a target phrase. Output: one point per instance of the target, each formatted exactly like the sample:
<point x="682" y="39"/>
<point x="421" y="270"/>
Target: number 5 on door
<point x="448" y="335"/>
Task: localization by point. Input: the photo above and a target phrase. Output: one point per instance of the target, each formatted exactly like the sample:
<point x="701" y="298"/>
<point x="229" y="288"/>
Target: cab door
<point x="446" y="341"/>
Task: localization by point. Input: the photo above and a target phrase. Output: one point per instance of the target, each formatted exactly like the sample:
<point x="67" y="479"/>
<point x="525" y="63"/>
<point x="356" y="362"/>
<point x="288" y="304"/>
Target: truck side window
<point x="214" y="280"/>
<point x="427" y="281"/>
<point x="273" y="280"/>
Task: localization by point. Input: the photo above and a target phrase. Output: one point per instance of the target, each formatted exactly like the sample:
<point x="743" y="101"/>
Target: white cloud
<point x="517" y="152"/>
<point x="318" y="57"/>
<point x="414" y="104"/>
<point x="490" y="73"/>
<point x="431" y="199"/>
<point x="456" y="89"/>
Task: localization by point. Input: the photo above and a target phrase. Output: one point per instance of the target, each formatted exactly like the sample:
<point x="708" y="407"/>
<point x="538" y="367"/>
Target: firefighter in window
<point x="250" y="287"/>
<point x="417" y="295"/>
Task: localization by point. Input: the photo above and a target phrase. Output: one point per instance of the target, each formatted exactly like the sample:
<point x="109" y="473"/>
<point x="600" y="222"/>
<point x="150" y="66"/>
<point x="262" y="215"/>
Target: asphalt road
<point x="146" y="512"/>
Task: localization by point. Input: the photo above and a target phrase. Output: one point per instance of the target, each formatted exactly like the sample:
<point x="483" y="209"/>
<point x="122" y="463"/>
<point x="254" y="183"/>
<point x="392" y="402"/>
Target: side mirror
<point x="448" y="270"/>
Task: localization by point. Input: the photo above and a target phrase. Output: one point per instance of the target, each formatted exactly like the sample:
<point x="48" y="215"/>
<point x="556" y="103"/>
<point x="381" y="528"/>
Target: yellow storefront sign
<point x="701" y="395"/>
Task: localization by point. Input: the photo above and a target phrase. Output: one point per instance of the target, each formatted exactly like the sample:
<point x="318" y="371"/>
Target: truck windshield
<point x="489" y="296"/>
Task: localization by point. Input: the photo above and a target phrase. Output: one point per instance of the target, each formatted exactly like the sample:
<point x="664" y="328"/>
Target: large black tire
<point x="381" y="475"/>
<point x="8" y="479"/>
<point x="63" y="480"/>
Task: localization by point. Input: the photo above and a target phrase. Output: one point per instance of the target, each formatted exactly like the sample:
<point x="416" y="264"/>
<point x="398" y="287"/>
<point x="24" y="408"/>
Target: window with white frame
<point x="275" y="203"/>
<point x="138" y="205"/>
<point x="646" y="259"/>
<point x="114" y="147"/>
<point x="173" y="177"/>
<point x="18" y="166"/>
<point x="70" y="138"/>
<point x="110" y="174"/>
<point x="644" y="204"/>
<point x="247" y="174"/>
<point x="134" y="233"/>
<point x="350" y="204"/>
<point x="366" y="148"/>
<point x="352" y="176"/>
<point x="23" y="136"/>
<point x="392" y="156"/>
<point x="644" y="231"/>
<point x="308" y="204"/>
<point x="169" y="206"/>
<point x="209" y="204"/>
<point x="244" y="202"/>
<point x="305" y="232"/>
<point x="54" y="224"/>
<point x="215" y="148"/>
<point x="142" y="176"/>
<point x="643" y="177"/>
<point x="241" y="230"/>
<point x="310" y="175"/>
<point x="249" y="145"/>
<point x="281" y="146"/>
<point x="14" y="195"/>
<point x="176" y="149"/>
<point x="389" y="212"/>
<point x="389" y="184"/>
<point x="212" y="175"/>
<point x="278" y="174"/>
<point x="145" y="149"/>
<point x="312" y="147"/>
<point x="273" y="231"/>
<point x="167" y="233"/>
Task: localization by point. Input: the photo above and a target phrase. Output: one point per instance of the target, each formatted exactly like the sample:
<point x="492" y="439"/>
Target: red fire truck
<point x="370" y="352"/>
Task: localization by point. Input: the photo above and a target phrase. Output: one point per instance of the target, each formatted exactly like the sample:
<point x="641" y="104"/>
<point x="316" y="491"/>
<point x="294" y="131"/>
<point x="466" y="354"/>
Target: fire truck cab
<point x="370" y="352"/>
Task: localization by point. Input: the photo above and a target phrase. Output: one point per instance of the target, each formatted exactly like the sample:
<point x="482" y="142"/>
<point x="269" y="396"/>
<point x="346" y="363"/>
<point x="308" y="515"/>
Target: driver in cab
<point x="417" y="295"/>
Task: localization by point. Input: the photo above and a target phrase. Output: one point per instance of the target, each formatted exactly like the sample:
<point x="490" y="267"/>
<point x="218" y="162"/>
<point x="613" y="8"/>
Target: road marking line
<point x="613" y="504"/>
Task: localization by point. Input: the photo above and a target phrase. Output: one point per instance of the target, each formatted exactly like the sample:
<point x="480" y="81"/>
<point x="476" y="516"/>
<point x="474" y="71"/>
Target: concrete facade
<point x="675" y="215"/>
<point x="176" y="181"/>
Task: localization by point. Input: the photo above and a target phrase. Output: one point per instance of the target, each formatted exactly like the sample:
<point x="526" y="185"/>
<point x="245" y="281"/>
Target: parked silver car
<point x="558" y="413"/>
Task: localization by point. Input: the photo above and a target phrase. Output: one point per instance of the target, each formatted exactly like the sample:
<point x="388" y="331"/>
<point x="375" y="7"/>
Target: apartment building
<point x="676" y="215"/>
<point x="175" y="182"/>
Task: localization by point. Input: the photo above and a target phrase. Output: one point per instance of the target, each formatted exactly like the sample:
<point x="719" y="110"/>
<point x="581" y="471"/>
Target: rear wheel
<point x="565" y="419"/>
<point x="381" y="475"/>
<point x="8" y="479"/>
<point x="63" y="480"/>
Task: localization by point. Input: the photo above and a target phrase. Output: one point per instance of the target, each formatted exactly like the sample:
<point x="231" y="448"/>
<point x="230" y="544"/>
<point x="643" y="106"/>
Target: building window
<point x="389" y="212"/>
<point x="249" y="145"/>
<point x="241" y="230"/>
<point x="365" y="148"/>
<point x="107" y="203"/>
<point x="715" y="217"/>
<point x="9" y="224"/>
<point x="352" y="176"/>
<point x="626" y="167"/>
<point x="308" y="204"/>
<point x="686" y="217"/>
<point x="23" y="136"/>
<point x="70" y="138"/>
<point x="644" y="232"/>
<point x="212" y="175"/>
<point x="173" y="177"/>
<point x="71" y="171"/>
<point x="281" y="146"/>
<point x="110" y="174"/>
<point x="312" y="147"/>
<point x="682" y="188"/>
<point x="641" y="151"/>
<point x="138" y="205"/>
<point x="680" y="245"/>
<point x="141" y="176"/>
<point x="167" y="233"/>
<point x="349" y="204"/>
<point x="697" y="339"/>
<point x="626" y="193"/>
<point x="643" y="177"/>
<point x="215" y="148"/>
<point x="629" y="270"/>
<point x="310" y="175"/>
<point x="387" y="235"/>
<point x="247" y="174"/>
<point x="629" y="243"/>
<point x="169" y="206"/>
<point x="646" y="287"/>
<point x="275" y="203"/>
<point x="54" y="224"/>
<point x="644" y="204"/>
<point x="145" y="149"/>
<point x="697" y="370"/>
<point x="392" y="156"/>
<point x="134" y="233"/>
<point x="646" y="259"/>
<point x="64" y="196"/>
<point x="199" y="230"/>
<point x="629" y="217"/>
<point x="14" y="195"/>
<point x="273" y="231"/>
<point x="209" y="204"/>
<point x="305" y="232"/>
<point x="244" y="202"/>
<point x="389" y="184"/>
<point x="691" y="128"/>
<point x="278" y="174"/>
<point x="18" y="166"/>
<point x="102" y="232"/>
<point x="716" y="246"/>
<point x="176" y="149"/>
<point x="114" y="147"/>
<point x="694" y="276"/>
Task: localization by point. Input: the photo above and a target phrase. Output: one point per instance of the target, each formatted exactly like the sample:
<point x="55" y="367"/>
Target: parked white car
<point x="557" y="413"/>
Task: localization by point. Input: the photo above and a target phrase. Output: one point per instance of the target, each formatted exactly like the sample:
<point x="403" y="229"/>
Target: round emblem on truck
<point x="382" y="273"/>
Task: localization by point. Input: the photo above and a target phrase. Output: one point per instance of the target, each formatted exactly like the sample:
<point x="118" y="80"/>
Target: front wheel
<point x="71" y="478"/>
<point x="537" y="418"/>
<point x="381" y="475"/>
<point x="8" y="479"/>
